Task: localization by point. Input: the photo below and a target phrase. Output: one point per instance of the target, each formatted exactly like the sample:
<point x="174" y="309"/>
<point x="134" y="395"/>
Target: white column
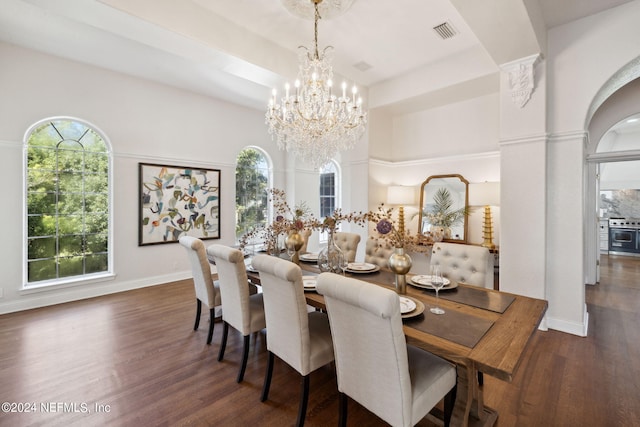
<point x="565" y="233"/>
<point x="523" y="177"/>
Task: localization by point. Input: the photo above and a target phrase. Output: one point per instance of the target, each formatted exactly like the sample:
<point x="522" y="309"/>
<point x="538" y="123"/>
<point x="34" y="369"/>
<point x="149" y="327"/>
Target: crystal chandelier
<point x="312" y="120"/>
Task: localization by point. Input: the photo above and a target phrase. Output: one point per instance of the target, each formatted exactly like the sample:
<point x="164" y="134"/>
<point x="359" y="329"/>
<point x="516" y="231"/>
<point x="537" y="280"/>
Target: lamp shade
<point x="484" y="194"/>
<point x="400" y="195"/>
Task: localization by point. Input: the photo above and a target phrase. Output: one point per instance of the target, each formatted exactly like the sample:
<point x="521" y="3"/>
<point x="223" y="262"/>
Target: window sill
<point x="60" y="284"/>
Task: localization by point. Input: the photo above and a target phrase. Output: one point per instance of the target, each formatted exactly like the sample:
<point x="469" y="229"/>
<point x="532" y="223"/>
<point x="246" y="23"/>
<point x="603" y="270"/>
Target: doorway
<point x="615" y="170"/>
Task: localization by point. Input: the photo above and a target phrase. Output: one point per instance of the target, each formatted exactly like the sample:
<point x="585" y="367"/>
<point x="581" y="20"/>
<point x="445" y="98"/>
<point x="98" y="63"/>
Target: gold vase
<point x="295" y="240"/>
<point x="400" y="264"/>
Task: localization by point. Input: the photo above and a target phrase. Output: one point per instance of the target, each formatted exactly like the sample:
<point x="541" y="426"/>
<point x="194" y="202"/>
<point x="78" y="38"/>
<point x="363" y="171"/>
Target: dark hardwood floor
<point x="133" y="359"/>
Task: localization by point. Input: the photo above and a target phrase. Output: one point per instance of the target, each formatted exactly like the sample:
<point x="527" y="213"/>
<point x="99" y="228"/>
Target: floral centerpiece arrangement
<point x="394" y="233"/>
<point x="331" y="223"/>
<point x="286" y="220"/>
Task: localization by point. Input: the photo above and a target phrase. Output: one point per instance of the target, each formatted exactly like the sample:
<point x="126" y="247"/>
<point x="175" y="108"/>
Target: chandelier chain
<point x="315" y="32"/>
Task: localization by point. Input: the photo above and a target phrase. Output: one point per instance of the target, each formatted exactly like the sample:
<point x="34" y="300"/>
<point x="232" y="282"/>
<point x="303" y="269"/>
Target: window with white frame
<point x="68" y="217"/>
<point x="329" y="185"/>
<point x="328" y="189"/>
<point x="253" y="178"/>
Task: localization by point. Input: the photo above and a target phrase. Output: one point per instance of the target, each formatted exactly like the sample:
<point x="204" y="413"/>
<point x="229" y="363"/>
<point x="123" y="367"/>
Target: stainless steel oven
<point x="623" y="236"/>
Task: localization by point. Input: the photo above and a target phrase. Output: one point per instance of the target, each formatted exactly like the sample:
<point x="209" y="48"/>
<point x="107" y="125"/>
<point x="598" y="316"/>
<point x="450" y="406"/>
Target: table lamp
<point x="485" y="194"/>
<point x="400" y="195"/>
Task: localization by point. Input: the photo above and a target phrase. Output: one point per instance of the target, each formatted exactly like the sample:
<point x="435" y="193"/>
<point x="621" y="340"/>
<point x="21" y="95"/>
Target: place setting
<point x="310" y="257"/>
<point x="361" y="268"/>
<point x="410" y="307"/>
<point x="425" y="282"/>
<point x="434" y="282"/>
<point x="309" y="283"/>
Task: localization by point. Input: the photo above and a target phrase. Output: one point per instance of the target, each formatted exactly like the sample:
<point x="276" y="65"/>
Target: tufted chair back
<point x="377" y="252"/>
<point x="348" y="243"/>
<point x="468" y="264"/>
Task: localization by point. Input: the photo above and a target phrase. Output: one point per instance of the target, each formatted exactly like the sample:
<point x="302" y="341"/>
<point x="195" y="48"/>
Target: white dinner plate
<point x="426" y="285"/>
<point x="309" y="283"/>
<point x="309" y="257"/>
<point x="407" y="305"/>
<point x="362" y="267"/>
<point x="426" y="280"/>
<point x="416" y="311"/>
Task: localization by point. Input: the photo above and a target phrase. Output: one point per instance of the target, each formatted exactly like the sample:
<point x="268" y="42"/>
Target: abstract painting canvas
<point x="176" y="201"/>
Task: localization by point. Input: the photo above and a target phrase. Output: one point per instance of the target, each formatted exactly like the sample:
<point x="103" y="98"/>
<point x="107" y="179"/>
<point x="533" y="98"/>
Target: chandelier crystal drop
<point x="313" y="120"/>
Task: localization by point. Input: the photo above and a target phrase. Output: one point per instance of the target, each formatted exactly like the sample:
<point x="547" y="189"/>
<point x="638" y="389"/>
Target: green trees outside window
<point x="252" y="181"/>
<point x="67" y="201"/>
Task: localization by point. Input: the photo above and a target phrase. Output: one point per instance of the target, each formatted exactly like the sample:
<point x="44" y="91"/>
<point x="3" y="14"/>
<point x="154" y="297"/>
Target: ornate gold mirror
<point x="444" y="203"/>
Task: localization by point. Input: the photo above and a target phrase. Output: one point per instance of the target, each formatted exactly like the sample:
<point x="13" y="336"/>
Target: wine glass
<point x="343" y="262"/>
<point x="291" y="251"/>
<point x="436" y="283"/>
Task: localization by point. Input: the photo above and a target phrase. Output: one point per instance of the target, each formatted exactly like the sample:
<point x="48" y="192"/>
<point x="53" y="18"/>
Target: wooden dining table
<point x="482" y="330"/>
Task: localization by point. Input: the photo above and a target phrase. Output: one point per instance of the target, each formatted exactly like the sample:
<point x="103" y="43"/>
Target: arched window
<point x="253" y="178"/>
<point x="68" y="202"/>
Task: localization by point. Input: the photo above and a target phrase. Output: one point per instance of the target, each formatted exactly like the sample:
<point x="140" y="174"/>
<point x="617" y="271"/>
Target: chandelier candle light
<point x="312" y="121"/>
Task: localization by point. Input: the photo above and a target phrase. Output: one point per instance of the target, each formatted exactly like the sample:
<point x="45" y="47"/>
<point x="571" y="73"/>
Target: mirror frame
<point x="466" y="204"/>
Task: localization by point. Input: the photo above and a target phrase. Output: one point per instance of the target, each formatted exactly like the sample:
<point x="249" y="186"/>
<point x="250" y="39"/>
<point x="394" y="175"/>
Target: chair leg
<point x="304" y="398"/>
<point x="198" y="312"/>
<point x="267" y="378"/>
<point x="342" y="418"/>
<point x="212" y="314"/>
<point x="449" y="403"/>
<point x="223" y="343"/>
<point x="245" y="356"/>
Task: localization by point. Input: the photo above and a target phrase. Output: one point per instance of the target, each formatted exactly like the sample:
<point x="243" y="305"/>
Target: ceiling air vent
<point x="445" y="30"/>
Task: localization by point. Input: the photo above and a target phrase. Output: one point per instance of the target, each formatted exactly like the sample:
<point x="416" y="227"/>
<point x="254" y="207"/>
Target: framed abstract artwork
<point x="176" y="201"/>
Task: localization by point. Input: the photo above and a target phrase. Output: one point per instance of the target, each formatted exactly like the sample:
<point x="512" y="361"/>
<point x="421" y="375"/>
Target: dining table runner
<point x="479" y="298"/>
<point x="454" y="326"/>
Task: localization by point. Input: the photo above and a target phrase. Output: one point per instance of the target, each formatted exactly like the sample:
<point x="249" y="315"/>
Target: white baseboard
<point x="579" y="329"/>
<point x="58" y="296"/>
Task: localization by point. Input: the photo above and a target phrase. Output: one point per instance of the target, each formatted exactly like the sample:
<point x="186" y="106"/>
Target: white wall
<point x="465" y="127"/>
<point x="145" y="122"/>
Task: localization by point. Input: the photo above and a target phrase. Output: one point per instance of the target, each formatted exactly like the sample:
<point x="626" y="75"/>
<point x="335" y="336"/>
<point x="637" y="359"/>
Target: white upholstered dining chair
<point x="299" y="338"/>
<point x="243" y="311"/>
<point x="348" y="244"/>
<point x="374" y="365"/>
<point x="469" y="264"/>
<point x="207" y="291"/>
<point x="472" y="265"/>
<point x="377" y="252"/>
